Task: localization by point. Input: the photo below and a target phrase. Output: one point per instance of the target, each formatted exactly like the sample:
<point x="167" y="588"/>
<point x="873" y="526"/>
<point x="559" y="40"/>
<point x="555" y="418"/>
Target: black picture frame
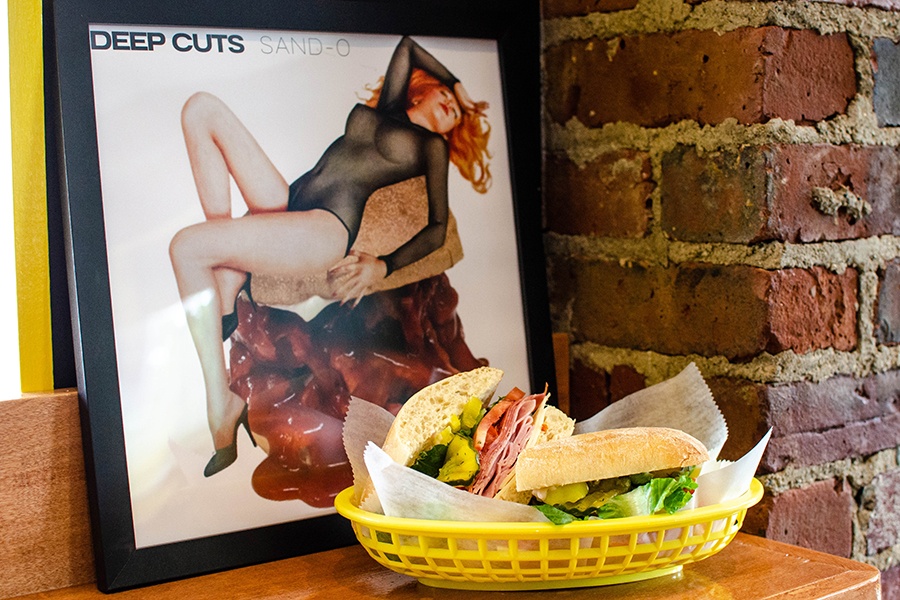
<point x="512" y="24"/>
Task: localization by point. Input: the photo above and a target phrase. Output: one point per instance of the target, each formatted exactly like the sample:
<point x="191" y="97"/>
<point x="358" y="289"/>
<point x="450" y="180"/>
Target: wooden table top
<point x="748" y="568"/>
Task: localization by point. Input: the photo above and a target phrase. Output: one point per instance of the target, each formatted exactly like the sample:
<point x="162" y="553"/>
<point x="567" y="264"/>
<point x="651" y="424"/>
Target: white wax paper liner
<point x="365" y="423"/>
<point x="413" y="495"/>
<point x="724" y="480"/>
<point x="683" y="402"/>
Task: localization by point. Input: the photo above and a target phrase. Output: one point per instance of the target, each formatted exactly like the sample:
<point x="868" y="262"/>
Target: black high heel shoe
<point x="230" y="321"/>
<point x="227" y="455"/>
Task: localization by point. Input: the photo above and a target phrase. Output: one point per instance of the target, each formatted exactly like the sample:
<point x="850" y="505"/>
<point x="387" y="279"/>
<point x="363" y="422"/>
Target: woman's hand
<point x="466" y="102"/>
<point x="353" y="277"/>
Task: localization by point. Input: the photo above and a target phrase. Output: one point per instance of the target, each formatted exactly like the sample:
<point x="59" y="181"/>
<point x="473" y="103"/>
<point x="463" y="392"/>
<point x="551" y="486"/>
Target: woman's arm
<point x="432" y="236"/>
<point x="409" y="55"/>
<point x="353" y="278"/>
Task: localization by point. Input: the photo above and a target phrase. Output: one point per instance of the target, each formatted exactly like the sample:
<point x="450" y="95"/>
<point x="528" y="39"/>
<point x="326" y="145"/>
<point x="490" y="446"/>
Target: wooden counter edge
<point x="857" y="580"/>
<point x="851" y="581"/>
<point x="43" y="495"/>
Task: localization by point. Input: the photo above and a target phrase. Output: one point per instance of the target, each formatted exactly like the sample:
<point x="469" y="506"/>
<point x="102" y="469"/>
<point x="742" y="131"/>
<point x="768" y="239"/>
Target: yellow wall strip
<point x="30" y="194"/>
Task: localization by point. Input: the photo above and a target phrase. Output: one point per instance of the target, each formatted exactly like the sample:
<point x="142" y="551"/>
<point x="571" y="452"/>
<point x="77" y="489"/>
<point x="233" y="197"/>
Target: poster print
<point x="291" y="217"/>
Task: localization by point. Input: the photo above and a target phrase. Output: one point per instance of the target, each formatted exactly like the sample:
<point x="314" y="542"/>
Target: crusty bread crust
<point x="430" y="410"/>
<point x="606" y="454"/>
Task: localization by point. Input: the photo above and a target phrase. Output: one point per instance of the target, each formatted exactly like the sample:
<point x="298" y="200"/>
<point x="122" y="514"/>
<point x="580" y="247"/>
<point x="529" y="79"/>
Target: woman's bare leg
<point x="288" y="243"/>
<point x="220" y="147"/>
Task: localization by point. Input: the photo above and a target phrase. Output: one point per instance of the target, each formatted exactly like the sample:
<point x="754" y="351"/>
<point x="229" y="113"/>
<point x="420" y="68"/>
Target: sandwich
<point x="611" y="473"/>
<point x="452" y="431"/>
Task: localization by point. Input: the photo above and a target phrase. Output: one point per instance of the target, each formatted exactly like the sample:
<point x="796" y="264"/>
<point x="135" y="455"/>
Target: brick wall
<point x="722" y="185"/>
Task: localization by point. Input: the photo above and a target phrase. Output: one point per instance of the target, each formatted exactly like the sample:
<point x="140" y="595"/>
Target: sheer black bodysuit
<point x="380" y="147"/>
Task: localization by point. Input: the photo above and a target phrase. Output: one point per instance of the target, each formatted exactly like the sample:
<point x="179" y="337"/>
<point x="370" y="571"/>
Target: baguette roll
<point x="611" y="474"/>
<point x="605" y="455"/>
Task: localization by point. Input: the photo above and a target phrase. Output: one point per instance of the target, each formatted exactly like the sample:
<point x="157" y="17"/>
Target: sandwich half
<point x="611" y="473"/>
<point x="451" y="431"/>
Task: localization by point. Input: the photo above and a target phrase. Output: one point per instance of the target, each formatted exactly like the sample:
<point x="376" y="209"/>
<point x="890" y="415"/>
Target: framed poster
<point x="272" y="206"/>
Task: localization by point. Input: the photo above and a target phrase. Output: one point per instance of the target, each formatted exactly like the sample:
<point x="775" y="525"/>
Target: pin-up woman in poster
<point x="419" y="121"/>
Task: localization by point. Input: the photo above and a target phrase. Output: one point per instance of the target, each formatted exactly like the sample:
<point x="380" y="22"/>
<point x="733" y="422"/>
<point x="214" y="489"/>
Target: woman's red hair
<point x="467" y="141"/>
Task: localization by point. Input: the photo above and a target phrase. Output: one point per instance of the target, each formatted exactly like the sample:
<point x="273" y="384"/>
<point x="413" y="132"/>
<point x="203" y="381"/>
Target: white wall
<point x="10" y="380"/>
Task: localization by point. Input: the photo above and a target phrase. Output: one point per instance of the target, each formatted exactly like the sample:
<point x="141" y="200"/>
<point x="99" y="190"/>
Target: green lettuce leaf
<point x="679" y="494"/>
<point x="658" y="495"/>
<point x="555" y="515"/>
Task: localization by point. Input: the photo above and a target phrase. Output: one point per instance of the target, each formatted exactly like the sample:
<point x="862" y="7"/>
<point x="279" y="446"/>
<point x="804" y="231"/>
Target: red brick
<point x="743" y="405"/>
<point x="716" y="197"/>
<point x="766" y="193"/>
<point x="890" y="583"/>
<point x="813" y="422"/>
<point x="757" y="519"/>
<point x="818" y="516"/>
<point x="733" y="311"/>
<point x="886" y="4"/>
<point x="870" y="172"/>
<point x="576" y="8"/>
<point x="624" y="380"/>
<point x="887" y="309"/>
<point x="653" y="80"/>
<point x="807" y="406"/>
<point x="609" y="196"/>
<point x="884" y="522"/>
<point x="591" y="391"/>
<point x="588" y="391"/>
<point x="841" y="417"/>
<point x="813" y="308"/>
<point x="852" y="440"/>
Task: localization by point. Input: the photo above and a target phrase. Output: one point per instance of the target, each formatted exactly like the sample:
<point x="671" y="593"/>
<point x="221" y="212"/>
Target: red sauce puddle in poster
<point x="297" y="377"/>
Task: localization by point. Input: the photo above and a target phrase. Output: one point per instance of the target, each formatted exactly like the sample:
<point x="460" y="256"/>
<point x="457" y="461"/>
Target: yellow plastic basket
<point x="523" y="556"/>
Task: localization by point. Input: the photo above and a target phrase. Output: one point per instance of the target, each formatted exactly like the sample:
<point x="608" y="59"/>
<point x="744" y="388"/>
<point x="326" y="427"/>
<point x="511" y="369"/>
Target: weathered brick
<point x="551" y="9"/>
<point x="885" y="4"/>
<point x="719" y="310"/>
<point x="890" y="583"/>
<point x="588" y="391"/>
<point x="818" y="516"/>
<point x="591" y="391"/>
<point x="812" y="308"/>
<point x="809" y="406"/>
<point x="653" y="80"/>
<point x="733" y="311"/>
<point x="841" y="417"/>
<point x="757" y="519"/>
<point x="608" y="196"/>
<point x="886" y="100"/>
<point x="884" y="522"/>
<point x="813" y="422"/>
<point x="871" y="173"/>
<point x="715" y="197"/>
<point x="770" y="193"/>
<point x="854" y="439"/>
<point x="887" y="310"/>
<point x="743" y="405"/>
